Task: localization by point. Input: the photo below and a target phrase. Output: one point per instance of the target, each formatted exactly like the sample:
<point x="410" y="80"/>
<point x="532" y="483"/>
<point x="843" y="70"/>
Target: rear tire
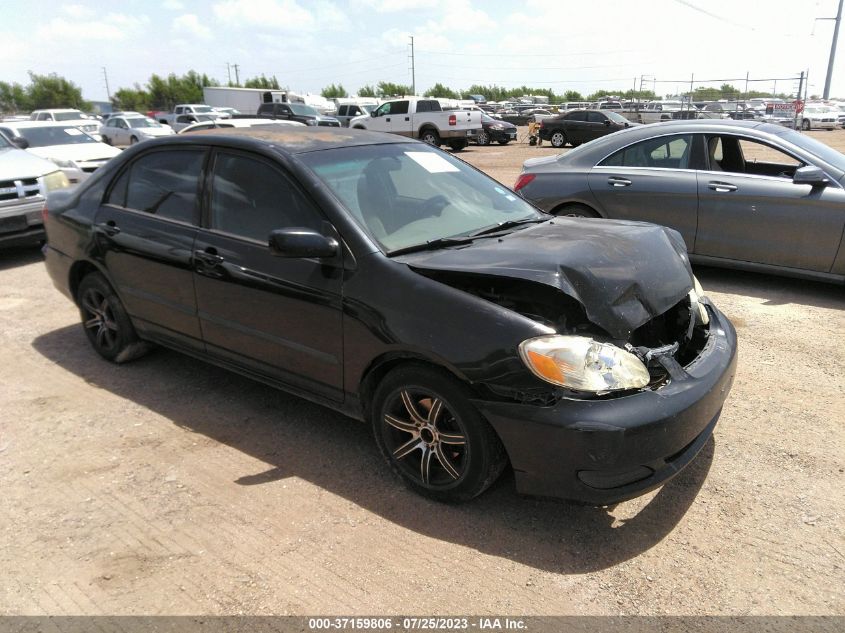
<point x="433" y="437"/>
<point x="806" y="125"/>
<point x="558" y="139"/>
<point x="106" y="322"/>
<point x="575" y="211"/>
<point x="430" y="136"/>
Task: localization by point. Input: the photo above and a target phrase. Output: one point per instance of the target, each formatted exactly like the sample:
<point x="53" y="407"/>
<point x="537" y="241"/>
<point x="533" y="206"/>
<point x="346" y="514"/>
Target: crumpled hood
<point x="79" y="152"/>
<point x="623" y="273"/>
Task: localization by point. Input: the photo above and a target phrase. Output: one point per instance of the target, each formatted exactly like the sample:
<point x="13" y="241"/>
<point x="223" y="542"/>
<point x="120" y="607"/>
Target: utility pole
<point x="838" y="19"/>
<point x="106" y="77"/>
<point x="237" y="77"/>
<point x="413" y="70"/>
<point x="229" y="73"/>
<point x="800" y="88"/>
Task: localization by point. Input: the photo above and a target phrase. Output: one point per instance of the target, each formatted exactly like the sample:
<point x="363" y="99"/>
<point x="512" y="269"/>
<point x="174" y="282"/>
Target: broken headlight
<point x="582" y="364"/>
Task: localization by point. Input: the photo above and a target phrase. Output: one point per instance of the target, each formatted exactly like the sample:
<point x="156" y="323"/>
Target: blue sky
<point x="308" y="44"/>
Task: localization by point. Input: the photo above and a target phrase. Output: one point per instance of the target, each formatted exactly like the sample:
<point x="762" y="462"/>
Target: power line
<point x="544" y="55"/>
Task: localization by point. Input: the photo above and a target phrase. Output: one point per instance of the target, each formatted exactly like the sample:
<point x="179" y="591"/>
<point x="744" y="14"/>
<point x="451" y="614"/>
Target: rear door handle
<point x="618" y="182"/>
<point x="722" y="187"/>
<point x="109" y="228"/>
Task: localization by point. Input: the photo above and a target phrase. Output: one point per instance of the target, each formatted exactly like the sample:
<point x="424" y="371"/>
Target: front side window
<point x="595" y="117"/>
<point x="667" y="152"/>
<point x="164" y="184"/>
<point x="738" y="155"/>
<point x="250" y="199"/>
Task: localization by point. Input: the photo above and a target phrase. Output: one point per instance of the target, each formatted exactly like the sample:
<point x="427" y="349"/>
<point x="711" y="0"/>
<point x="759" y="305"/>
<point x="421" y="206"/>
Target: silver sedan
<point x="742" y="194"/>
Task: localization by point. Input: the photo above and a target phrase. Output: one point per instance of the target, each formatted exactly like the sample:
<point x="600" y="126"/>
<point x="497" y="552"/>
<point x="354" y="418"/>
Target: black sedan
<point x="495" y="130"/>
<point x="386" y="279"/>
<point x="580" y="126"/>
<point x="743" y="194"/>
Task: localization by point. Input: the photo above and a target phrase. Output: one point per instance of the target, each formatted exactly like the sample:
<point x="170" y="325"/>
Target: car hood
<point x="77" y="151"/>
<point x="16" y="164"/>
<point x="153" y="131"/>
<point x="623" y="273"/>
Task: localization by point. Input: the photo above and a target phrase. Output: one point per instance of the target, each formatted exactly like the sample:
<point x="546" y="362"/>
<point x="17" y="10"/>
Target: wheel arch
<point x="81" y="269"/>
<point x="577" y="203"/>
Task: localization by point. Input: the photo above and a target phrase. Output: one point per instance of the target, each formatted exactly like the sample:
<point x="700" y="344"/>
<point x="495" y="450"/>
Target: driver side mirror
<point x="301" y="243"/>
<point x="607" y="123"/>
<point x="810" y="175"/>
<point x="20" y="141"/>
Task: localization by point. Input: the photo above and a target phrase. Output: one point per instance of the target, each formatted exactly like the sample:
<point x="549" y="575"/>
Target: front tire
<point x="106" y="322"/>
<point x="575" y="211"/>
<point x="558" y="139"/>
<point x="504" y="141"/>
<point x="458" y="146"/>
<point x="483" y="138"/>
<point x="133" y="140"/>
<point x="433" y="437"/>
<point x="806" y="125"/>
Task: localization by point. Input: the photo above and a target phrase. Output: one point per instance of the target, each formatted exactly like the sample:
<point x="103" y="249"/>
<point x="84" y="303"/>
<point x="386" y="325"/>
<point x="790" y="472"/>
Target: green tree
<point x="388" y="89"/>
<point x="262" y="82"/>
<point x="439" y="90"/>
<point x="572" y="95"/>
<point x="334" y="92"/>
<point x="53" y="91"/>
<point x="131" y="99"/>
<point x="367" y="91"/>
<point x="13" y="98"/>
<point x="167" y="92"/>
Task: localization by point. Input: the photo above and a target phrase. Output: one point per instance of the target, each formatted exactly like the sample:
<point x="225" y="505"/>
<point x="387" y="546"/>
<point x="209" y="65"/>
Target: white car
<point x="77" y="154"/>
<point x="230" y="123"/>
<point x="818" y="117"/>
<point x="128" y="129"/>
<point x="68" y="115"/>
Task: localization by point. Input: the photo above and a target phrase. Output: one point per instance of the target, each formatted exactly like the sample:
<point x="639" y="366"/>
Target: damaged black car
<point x="391" y="281"/>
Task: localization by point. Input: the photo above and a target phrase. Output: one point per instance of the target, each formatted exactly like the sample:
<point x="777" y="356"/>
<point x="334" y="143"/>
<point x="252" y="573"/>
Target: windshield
<point x="817" y="148"/>
<point x="299" y="108"/>
<point x="142" y="122"/>
<point x="406" y="195"/>
<point x="69" y="116"/>
<point x="368" y="108"/>
<point x="4" y="143"/>
<point x="615" y="117"/>
<point x="54" y="135"/>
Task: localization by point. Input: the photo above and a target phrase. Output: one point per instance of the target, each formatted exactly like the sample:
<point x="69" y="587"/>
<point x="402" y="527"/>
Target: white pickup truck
<point x="189" y="113"/>
<point x="423" y="119"/>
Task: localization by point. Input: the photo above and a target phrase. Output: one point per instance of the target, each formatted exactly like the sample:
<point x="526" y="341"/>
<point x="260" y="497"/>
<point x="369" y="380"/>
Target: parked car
<point x="77" y="154"/>
<point x="68" y="115"/>
<point x="387" y="279"/>
<point x="580" y="126"/>
<point x="231" y="123"/>
<point x="496" y="130"/>
<point x="818" y="117"/>
<point x="348" y="111"/>
<point x="743" y="194"/>
<point x="25" y="181"/>
<point x="128" y="129"/>
<point x="298" y="112"/>
<point x="185" y="112"/>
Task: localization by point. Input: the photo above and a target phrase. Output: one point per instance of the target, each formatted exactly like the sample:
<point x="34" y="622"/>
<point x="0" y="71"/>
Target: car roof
<point x="587" y="154"/>
<point x="25" y="124"/>
<point x="289" y="140"/>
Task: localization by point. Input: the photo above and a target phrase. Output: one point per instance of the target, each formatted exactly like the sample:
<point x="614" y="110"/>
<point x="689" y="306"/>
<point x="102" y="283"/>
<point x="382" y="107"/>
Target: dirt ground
<point x="167" y="486"/>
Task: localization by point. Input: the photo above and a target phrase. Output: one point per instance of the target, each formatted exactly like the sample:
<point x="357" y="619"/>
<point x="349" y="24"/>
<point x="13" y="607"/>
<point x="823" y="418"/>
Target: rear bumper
<point x="453" y="134"/>
<point x="606" y="451"/>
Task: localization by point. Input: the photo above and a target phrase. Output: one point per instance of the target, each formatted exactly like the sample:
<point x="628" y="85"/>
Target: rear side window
<point x="250" y="198"/>
<point x="576" y="116"/>
<point x="163" y="184"/>
<point x="667" y="152"/>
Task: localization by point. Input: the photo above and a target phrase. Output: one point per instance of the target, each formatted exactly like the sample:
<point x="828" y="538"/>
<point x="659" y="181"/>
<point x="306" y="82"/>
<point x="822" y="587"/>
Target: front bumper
<point x="21" y="224"/>
<point x="502" y="135"/>
<point x="606" y="451"/>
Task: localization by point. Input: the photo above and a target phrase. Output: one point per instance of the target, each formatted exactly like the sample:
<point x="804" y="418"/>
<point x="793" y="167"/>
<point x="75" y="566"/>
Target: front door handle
<point x="109" y="228"/>
<point x="722" y="187"/>
<point x="407" y="118"/>
<point x="209" y="257"/>
<point x="618" y="182"/>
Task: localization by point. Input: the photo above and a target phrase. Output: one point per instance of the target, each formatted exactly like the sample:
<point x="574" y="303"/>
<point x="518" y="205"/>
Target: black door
<point x="275" y="316"/>
<point x="145" y="233"/>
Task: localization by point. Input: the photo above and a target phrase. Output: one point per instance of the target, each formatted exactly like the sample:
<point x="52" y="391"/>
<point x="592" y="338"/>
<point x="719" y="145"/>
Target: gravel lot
<point x="168" y="486"/>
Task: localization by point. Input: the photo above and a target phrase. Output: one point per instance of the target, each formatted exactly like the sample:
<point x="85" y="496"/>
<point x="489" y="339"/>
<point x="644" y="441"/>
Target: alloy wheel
<point x="99" y="320"/>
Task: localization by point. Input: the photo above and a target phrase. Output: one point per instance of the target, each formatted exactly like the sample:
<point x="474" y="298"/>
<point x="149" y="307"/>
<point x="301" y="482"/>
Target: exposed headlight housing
<point x="695" y="296"/>
<point x="54" y="180"/>
<point x="583" y="364"/>
<point x="310" y="121"/>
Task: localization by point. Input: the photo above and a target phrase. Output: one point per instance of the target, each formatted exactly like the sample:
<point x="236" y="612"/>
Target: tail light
<point x="453" y="119"/>
<point x="523" y="180"/>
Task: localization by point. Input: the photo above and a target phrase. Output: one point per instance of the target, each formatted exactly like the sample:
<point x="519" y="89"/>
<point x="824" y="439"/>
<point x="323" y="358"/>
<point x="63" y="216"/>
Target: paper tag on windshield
<point x="431" y="162"/>
<point x="72" y="131"/>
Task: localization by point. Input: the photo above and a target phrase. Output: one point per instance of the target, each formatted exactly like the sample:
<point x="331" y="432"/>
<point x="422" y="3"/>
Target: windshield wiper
<point x="502" y="226"/>
<point x="440" y="242"/>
